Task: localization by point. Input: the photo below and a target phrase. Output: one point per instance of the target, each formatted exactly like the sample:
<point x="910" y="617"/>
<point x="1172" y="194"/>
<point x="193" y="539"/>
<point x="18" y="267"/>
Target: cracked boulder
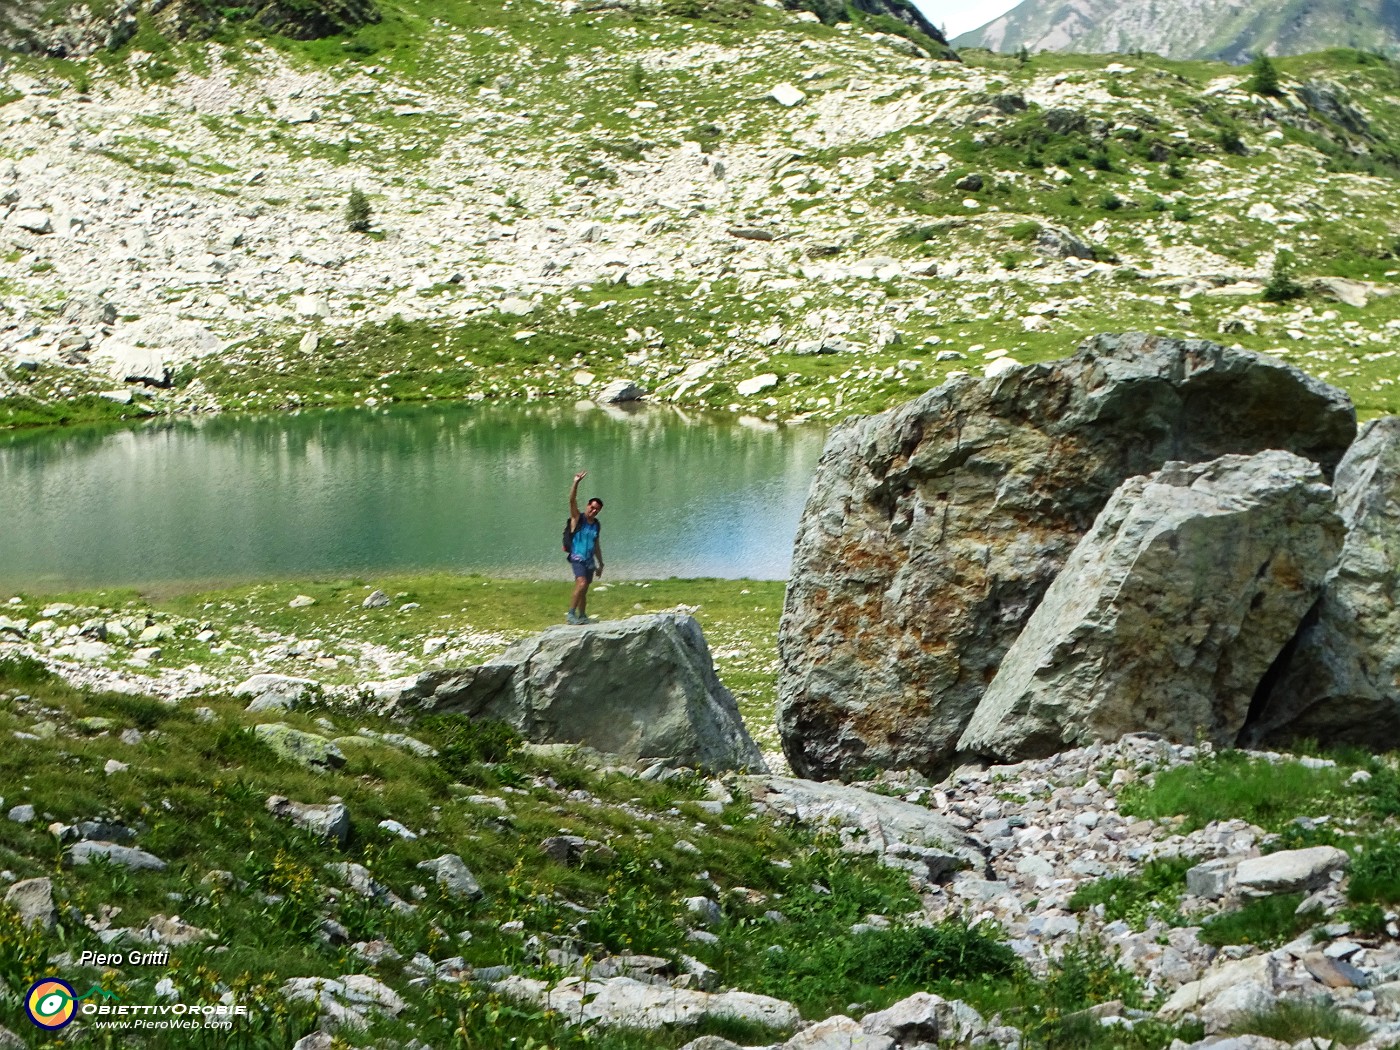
<point x="1339" y="681"/>
<point x="932" y="531"/>
<point x="1169" y="612"/>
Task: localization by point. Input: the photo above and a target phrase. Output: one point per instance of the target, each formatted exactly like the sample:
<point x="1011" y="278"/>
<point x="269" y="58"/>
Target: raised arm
<point x="573" y="498"/>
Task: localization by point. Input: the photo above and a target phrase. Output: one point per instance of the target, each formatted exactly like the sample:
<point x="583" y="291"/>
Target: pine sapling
<point x="1282" y="285"/>
<point x="1264" y="77"/>
<point x="357" y="212"/>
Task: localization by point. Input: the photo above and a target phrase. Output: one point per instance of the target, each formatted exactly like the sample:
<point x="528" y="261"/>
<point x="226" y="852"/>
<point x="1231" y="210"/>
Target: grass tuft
<point x="1231" y="785"/>
<point x="1291" y="1022"/>
<point x="1265" y="923"/>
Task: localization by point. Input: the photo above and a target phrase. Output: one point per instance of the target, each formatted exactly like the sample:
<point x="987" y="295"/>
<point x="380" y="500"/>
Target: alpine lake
<point x="470" y="488"/>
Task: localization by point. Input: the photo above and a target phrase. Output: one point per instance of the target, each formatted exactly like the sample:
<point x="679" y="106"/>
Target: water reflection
<point x="466" y="488"/>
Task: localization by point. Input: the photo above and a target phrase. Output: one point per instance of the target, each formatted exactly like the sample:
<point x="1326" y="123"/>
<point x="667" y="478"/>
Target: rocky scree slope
<point x="439" y="876"/>
<point x="1226" y="30"/>
<point x="755" y="212"/>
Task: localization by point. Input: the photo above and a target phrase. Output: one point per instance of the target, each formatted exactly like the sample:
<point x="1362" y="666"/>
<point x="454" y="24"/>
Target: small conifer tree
<point x="1264" y="77"/>
<point x="357" y="212"/>
<point x="1282" y="284"/>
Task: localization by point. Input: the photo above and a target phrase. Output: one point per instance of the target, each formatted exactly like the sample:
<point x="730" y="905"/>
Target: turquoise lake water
<point x="460" y="488"/>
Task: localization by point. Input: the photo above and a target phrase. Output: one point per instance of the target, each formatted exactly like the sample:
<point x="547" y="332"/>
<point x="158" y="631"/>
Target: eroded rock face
<point x="1169" y="611"/>
<point x="641" y="688"/>
<point x="932" y="531"/>
<point x="1339" y="683"/>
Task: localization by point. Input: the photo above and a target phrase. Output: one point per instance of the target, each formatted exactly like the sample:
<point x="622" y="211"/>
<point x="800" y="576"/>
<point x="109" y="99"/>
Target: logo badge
<point x="51" y="1003"/>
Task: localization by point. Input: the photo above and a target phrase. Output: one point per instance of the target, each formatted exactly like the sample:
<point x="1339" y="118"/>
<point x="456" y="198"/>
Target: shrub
<point x="1263" y="78"/>
<point x="820" y="973"/>
<point x="465" y="742"/>
<point x="1366" y="919"/>
<point x="1282" y="285"/>
<point x="1086" y="974"/>
<point x="357" y="212"/>
<point x="632" y="917"/>
<point x="1231" y="142"/>
<point x="1265" y="922"/>
<point x="1375" y="874"/>
<point x="1292" y="1022"/>
<point x="920" y="955"/>
<point x="23" y="670"/>
<point x="1154" y="891"/>
<point x="1382" y="791"/>
<point x="1231" y="784"/>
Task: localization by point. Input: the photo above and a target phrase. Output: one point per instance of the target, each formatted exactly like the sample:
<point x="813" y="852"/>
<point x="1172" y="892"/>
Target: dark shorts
<point x="582" y="570"/>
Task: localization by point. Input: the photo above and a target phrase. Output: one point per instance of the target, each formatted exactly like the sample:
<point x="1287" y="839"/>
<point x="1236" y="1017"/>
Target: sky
<point x="958" y="16"/>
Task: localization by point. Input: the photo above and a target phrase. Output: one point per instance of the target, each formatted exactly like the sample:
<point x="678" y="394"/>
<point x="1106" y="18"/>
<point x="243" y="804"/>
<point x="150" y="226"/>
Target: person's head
<point x="594" y="505"/>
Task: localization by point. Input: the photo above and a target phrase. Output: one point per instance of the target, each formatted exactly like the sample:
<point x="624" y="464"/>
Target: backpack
<point x="568" y="540"/>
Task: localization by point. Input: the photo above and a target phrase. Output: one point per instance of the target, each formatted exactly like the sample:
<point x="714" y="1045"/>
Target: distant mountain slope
<point x="1232" y="30"/>
<point x="63" y="31"/>
<point x="60" y="30"/>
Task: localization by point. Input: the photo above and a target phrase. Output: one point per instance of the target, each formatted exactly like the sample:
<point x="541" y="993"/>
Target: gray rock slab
<point x="1199" y="996"/>
<point x="33" y="900"/>
<point x="122" y="856"/>
<point x="838" y="1033"/>
<point x="1334" y="973"/>
<point x="620" y="391"/>
<point x="1290" y="871"/>
<point x="1210" y="880"/>
<point x="303" y="748"/>
<point x="1339" y="682"/>
<point x="711" y="1042"/>
<point x="348" y="1001"/>
<point x="925" y="1017"/>
<point x="1169" y="611"/>
<point x="329" y="821"/>
<point x="624" y="1002"/>
<point x="277" y="687"/>
<point x="453" y="876"/>
<point x="880" y="824"/>
<point x="932" y="531"/>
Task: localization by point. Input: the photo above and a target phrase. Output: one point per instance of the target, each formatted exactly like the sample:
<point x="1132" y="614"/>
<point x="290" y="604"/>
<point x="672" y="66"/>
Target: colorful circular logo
<point x="51" y="1003"/>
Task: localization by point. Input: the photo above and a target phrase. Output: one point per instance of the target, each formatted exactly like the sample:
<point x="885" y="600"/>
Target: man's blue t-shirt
<point x="585" y="539"/>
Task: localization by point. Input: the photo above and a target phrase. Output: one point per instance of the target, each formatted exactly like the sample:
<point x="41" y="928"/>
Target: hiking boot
<point x="585" y="619"/>
<point x="572" y="617"/>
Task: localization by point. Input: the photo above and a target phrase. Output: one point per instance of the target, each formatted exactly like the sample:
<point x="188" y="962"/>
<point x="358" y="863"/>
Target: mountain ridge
<point x="1225" y="30"/>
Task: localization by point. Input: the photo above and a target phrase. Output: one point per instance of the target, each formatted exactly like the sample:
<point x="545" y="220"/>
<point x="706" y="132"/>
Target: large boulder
<point x="1339" y="682"/>
<point x="641" y="688"/>
<point x="931" y="531"/>
<point x="1169" y="611"/>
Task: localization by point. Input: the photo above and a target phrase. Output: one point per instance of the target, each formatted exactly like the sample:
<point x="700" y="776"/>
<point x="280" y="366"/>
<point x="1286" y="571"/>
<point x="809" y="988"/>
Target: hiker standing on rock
<point x="582" y="546"/>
